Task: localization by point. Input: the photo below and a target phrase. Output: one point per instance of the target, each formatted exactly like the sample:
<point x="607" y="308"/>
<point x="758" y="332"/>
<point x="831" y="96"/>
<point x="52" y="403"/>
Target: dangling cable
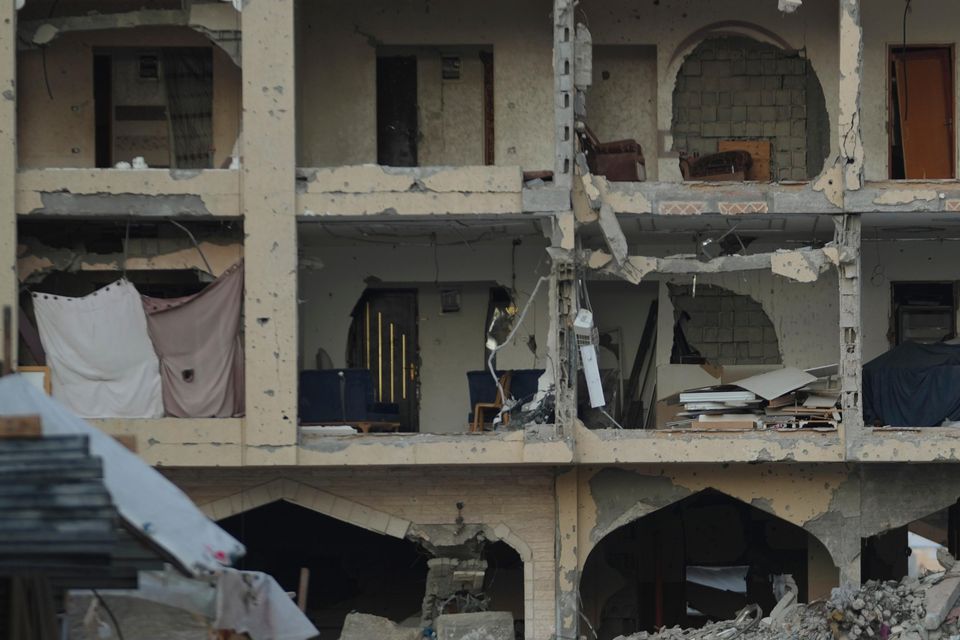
<point x="126" y="245"/>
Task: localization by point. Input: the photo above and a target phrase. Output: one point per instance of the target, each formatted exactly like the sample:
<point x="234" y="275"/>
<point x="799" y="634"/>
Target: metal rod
<point x="403" y="358"/>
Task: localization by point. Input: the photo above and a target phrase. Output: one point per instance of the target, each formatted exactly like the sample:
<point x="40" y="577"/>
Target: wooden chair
<point x="481" y="408"/>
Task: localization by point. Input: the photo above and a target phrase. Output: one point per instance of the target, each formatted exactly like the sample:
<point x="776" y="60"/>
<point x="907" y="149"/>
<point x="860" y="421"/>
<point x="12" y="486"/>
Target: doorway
<point x="921" y="108"/>
<point x="383" y="339"/>
<point x="397" y="129"/>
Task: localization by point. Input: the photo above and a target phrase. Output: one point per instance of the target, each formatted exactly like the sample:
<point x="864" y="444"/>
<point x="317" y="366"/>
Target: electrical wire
<point x="516" y="326"/>
<point x="195" y="244"/>
<point x="113" y="618"/>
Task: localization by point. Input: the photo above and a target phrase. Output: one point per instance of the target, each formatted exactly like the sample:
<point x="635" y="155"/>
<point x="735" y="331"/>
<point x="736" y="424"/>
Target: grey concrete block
<point x="728" y="350"/>
<point x="738" y="129"/>
<point x="362" y="626"/>
<point x="783" y="113"/>
<point x="738" y="67"/>
<point x="709" y="334"/>
<point x="755" y="83"/>
<point x="691" y="68"/>
<point x="716" y="67"/>
<point x="741" y="334"/>
<point x="798" y="173"/>
<point x="743" y="351"/>
<point x="724" y="114"/>
<point x="726" y="320"/>
<point x="798" y="159"/>
<point x="783" y="159"/>
<point x="738" y="83"/>
<point x="487" y="625"/>
<point x="768" y="98"/>
<point x="768" y="113"/>
<point x="753" y="67"/>
<point x="756" y="349"/>
<point x="771" y="350"/>
<point x="769" y="129"/>
<point x="738" y="114"/>
<point x="772" y="82"/>
<point x="723" y="98"/>
<point x="708" y="99"/>
<point x="769" y="335"/>
<point x="798" y="98"/>
<point x="798" y="112"/>
<point x="724" y="334"/>
<point x="708" y="114"/>
<point x="754" y="129"/>
<point x="783" y="97"/>
<point x="794" y="82"/>
<point x="798" y="128"/>
<point x="783" y="129"/>
<point x="768" y="67"/>
<point x="756" y="335"/>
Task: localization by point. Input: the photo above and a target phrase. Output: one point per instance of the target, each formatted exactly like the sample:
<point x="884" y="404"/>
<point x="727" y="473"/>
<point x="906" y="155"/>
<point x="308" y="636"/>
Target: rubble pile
<point x="876" y="611"/>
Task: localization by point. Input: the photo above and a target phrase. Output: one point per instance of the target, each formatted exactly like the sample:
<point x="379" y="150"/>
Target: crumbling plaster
<point x="677" y="26"/>
<point x="121" y="193"/>
<point x="59" y="132"/>
<point x="633" y="446"/>
<point x="928" y="22"/>
<point x="374" y="190"/>
<point x="344" y="93"/>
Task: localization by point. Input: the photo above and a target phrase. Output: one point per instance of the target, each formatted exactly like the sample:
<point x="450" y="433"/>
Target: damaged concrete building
<point x="604" y="315"/>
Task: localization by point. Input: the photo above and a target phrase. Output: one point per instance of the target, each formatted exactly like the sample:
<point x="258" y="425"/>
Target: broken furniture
<point x="913" y="385"/>
<point x="519" y="384"/>
<point x="617" y="161"/>
<point x="726" y="166"/>
<point x="345" y="397"/>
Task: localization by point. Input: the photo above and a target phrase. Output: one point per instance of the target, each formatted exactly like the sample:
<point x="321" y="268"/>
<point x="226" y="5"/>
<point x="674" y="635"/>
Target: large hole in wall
<point x="735" y="90"/>
<point x="715" y="325"/>
<point x="700" y="559"/>
<point x="356" y="570"/>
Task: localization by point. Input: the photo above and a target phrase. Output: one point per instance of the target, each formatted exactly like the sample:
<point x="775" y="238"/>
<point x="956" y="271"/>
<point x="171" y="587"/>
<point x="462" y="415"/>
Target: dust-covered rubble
<point x="878" y="610"/>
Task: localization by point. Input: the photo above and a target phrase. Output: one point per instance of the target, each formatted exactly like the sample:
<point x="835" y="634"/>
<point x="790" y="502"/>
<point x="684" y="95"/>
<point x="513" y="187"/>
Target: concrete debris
<point x="789" y="6"/>
<point x="487" y="625"/>
<point x="801" y="265"/>
<point x="878" y="610"/>
<point x="363" y="626"/>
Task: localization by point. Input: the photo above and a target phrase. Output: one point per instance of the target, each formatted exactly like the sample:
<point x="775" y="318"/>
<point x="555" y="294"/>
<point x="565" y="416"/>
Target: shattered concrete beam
<point x="800" y="265"/>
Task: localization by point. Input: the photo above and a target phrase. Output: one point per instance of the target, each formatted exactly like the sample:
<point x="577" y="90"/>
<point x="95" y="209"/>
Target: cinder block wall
<point x="738" y="88"/>
<point x="726" y="328"/>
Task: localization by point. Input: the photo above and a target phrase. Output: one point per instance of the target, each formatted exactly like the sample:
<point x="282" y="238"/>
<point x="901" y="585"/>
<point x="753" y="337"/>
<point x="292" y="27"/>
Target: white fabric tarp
<point x="253" y="603"/>
<point x="148" y="502"/>
<point x="102" y="363"/>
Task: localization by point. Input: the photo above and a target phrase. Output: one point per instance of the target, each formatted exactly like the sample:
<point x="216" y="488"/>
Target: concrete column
<point x="567" y="560"/>
<point x="851" y="73"/>
<point x="8" y="164"/>
<point x="563" y="69"/>
<point x="270" y="249"/>
<point x="849" y="283"/>
<point x="562" y="342"/>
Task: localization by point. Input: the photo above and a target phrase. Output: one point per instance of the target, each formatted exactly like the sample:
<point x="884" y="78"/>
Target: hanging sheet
<point x="102" y="364"/>
<point x="198" y="340"/>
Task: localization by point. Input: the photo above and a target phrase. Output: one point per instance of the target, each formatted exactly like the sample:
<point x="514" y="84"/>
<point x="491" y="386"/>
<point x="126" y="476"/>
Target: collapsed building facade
<point x="422" y="198"/>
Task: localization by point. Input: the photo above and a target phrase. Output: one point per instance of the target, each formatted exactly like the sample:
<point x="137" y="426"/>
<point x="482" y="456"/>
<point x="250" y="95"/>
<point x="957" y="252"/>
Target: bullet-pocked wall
<point x="463" y="270"/>
<point x="57" y="112"/>
<point x="927" y="23"/>
<point x="338" y="47"/>
<point x="677" y="27"/>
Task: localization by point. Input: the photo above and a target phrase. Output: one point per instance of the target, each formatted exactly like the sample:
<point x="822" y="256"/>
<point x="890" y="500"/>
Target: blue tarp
<point x="913" y="385"/>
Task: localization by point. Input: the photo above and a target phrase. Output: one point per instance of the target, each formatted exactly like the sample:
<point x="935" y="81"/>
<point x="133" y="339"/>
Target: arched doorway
<point x="702" y="558"/>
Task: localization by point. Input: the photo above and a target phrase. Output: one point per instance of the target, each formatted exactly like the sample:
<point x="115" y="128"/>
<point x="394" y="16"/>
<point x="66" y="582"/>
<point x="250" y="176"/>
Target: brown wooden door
<point x="924" y="93"/>
<point x="384" y="340"/>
